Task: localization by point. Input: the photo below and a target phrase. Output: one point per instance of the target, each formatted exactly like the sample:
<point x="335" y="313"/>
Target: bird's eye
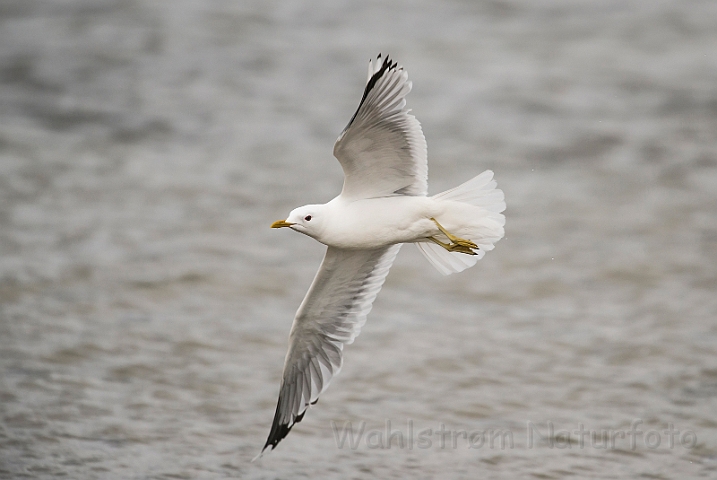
<point x="307" y="218"/>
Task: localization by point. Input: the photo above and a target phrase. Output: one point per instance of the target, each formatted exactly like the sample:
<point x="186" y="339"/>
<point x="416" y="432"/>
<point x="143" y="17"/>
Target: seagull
<point x="382" y="205"/>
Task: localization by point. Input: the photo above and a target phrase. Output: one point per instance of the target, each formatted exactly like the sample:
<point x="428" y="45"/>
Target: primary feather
<point x="382" y="150"/>
<point x="331" y="316"/>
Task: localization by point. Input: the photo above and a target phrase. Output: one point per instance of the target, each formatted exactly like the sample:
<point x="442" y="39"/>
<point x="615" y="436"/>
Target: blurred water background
<point x="146" y="146"/>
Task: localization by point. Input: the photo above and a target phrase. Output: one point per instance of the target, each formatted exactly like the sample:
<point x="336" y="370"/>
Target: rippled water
<point x="145" y="147"/>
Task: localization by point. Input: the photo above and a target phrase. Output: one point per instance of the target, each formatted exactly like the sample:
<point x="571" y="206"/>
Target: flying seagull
<point x="383" y="204"/>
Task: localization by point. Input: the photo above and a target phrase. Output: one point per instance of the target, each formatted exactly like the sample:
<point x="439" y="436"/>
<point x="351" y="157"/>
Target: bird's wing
<point x="331" y="315"/>
<point x="382" y="150"/>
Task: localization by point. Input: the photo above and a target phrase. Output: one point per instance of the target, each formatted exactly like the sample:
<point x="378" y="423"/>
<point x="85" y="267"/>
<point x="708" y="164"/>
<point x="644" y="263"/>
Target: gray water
<point x="146" y="146"/>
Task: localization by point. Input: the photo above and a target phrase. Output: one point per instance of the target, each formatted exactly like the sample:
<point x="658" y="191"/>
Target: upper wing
<point x="382" y="150"/>
<point x="331" y="315"/>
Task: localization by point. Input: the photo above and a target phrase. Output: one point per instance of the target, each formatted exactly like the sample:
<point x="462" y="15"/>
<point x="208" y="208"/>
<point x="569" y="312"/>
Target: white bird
<point x="383" y="204"/>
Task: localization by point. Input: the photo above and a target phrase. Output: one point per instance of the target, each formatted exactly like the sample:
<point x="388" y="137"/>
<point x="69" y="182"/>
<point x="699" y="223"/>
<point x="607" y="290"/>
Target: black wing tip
<point x="279" y="431"/>
<point x="387" y="65"/>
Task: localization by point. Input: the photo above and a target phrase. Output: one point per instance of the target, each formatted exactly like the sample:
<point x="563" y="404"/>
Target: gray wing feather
<point x="382" y="150"/>
<point x="331" y="315"/>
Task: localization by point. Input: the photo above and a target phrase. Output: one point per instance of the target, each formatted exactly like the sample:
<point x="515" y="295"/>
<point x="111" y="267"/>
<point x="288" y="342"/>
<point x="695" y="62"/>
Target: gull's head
<point x="307" y="220"/>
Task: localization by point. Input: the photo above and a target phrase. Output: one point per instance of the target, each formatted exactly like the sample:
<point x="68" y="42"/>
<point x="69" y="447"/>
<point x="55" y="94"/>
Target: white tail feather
<point x="480" y="192"/>
<point x="445" y="261"/>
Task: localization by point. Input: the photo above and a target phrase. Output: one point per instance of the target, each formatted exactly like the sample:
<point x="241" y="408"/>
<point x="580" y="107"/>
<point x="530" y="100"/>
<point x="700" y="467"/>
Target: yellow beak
<point x="281" y="223"/>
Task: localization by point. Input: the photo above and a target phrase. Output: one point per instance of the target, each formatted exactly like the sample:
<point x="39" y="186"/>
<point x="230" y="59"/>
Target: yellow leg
<point x="456" y="240"/>
<point x="453" y="247"/>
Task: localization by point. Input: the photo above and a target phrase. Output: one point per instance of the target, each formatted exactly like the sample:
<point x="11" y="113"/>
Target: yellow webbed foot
<point x="454" y="247"/>
<point x="453" y="239"/>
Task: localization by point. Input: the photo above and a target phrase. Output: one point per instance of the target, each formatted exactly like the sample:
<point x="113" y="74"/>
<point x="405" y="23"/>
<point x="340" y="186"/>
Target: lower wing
<point x="331" y="315"/>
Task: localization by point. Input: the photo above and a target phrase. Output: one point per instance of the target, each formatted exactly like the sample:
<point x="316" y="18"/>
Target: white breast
<point x="377" y="222"/>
